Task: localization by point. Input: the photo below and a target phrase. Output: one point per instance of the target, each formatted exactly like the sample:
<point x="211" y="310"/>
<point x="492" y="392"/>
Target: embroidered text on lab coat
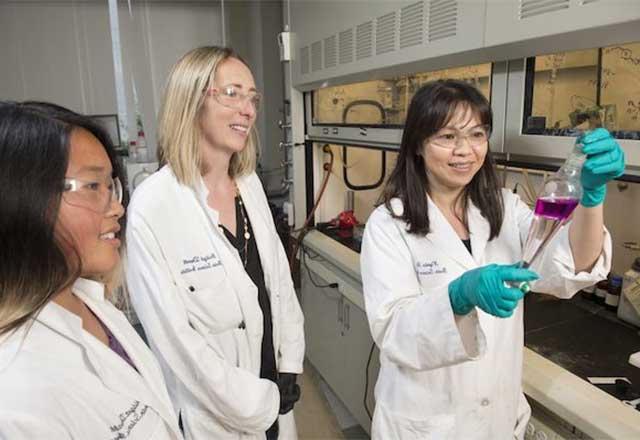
<point x="429" y="268"/>
<point x="200" y="262"/>
<point x="128" y="420"/>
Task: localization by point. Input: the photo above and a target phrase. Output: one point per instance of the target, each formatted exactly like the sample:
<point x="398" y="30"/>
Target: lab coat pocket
<point x="232" y="346"/>
<point x="215" y="313"/>
<point x="387" y="425"/>
<point x="225" y="346"/>
<point x="216" y="307"/>
<point x="241" y="343"/>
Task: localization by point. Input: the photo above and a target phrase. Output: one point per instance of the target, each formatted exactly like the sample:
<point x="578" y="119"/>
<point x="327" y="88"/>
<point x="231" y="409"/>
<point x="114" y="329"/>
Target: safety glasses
<point x="230" y="96"/>
<point x="94" y="194"/>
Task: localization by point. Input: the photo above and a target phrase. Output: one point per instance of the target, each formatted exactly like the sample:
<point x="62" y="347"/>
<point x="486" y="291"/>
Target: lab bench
<point x="566" y="341"/>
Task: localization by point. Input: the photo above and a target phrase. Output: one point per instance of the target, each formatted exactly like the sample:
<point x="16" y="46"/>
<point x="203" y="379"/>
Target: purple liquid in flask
<point x="549" y="215"/>
<point x="555" y="208"/>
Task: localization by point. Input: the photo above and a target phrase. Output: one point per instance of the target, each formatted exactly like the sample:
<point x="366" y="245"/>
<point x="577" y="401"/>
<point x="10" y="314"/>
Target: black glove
<point x="273" y="432"/>
<point x="289" y="391"/>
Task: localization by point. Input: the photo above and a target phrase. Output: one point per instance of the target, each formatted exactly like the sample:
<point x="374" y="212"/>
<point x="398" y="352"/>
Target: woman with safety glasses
<point x="71" y="365"/>
<point x="435" y="258"/>
<point x="208" y="276"/>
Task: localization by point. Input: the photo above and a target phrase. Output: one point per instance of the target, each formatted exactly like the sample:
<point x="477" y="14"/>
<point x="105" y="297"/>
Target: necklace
<point x="245" y="221"/>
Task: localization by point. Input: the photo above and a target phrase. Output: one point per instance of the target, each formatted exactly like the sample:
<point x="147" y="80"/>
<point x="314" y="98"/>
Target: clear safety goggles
<point x="450" y="138"/>
<point x="94" y="194"/>
<point x="230" y="96"/>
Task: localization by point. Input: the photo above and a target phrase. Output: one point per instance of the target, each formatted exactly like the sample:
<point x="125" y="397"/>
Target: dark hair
<point x="431" y="108"/>
<point x="34" y="155"/>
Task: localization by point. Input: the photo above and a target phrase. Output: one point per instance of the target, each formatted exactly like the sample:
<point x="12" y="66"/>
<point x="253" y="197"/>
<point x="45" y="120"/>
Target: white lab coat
<point x="444" y="376"/>
<point x="200" y="309"/>
<point x="59" y="382"/>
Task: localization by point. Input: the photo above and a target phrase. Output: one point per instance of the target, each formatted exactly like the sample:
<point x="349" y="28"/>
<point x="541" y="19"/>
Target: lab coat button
<point x="485" y="402"/>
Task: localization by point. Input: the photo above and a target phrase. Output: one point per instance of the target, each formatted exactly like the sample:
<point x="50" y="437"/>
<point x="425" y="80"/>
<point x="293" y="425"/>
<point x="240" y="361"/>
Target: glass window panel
<point x="564" y="89"/>
<point x="364" y="103"/>
<point x="585" y="89"/>
<point x="385" y="102"/>
<point x="620" y="88"/>
<point x="363" y="167"/>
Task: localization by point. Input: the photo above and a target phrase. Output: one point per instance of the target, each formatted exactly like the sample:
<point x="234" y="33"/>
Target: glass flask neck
<point x="573" y="164"/>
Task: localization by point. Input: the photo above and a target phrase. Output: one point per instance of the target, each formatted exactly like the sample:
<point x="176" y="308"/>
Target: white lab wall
<point x="154" y="35"/>
<point x="175" y="28"/>
<point x="94" y="37"/>
<point x="66" y="56"/>
<point x="252" y="29"/>
<point x="57" y="52"/>
<point x="60" y="51"/>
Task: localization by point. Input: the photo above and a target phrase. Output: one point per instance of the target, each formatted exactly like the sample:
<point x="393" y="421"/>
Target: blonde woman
<point x="207" y="273"/>
<point x="71" y="365"/>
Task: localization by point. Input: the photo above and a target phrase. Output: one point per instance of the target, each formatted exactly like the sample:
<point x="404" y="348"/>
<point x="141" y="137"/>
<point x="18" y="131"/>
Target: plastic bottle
<point x="133" y="151"/>
<point x="142" y="153"/>
<point x="612" y="297"/>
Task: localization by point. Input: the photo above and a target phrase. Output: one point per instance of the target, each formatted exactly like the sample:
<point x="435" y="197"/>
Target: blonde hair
<point x="178" y="123"/>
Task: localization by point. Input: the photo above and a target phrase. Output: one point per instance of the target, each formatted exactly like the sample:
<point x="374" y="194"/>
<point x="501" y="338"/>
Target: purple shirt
<point x="115" y="345"/>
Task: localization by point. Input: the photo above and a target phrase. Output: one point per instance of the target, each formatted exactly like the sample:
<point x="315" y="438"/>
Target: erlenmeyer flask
<point x="560" y="195"/>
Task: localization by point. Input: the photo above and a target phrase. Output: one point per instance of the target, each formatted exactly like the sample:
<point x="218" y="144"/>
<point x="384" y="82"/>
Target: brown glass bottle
<point x="612" y="298"/>
<point x="601" y="291"/>
<point x="589" y="293"/>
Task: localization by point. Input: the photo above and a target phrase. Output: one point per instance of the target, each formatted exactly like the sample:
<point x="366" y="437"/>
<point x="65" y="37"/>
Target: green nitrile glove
<point x="605" y="162"/>
<point x="484" y="287"/>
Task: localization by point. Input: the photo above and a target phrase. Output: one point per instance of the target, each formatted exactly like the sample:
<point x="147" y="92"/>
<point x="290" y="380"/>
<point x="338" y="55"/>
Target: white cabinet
<point x="358" y="344"/>
<point x="338" y="339"/>
<point x="322" y="309"/>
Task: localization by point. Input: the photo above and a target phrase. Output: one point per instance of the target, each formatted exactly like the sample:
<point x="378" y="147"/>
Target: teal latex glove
<point x="484" y="287"/>
<point x="605" y="162"/>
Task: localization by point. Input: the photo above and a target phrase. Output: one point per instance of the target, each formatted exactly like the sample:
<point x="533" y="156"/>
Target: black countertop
<point x="584" y="338"/>
<point x="345" y="237"/>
